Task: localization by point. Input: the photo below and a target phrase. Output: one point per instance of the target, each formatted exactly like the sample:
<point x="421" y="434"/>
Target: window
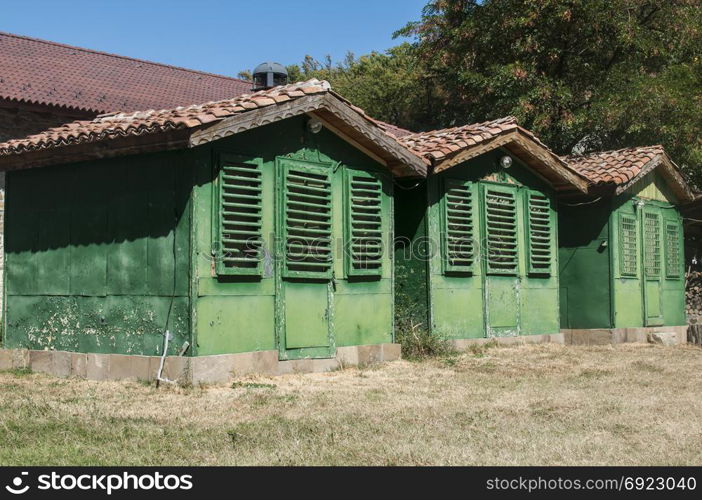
<point x="457" y="228"/>
<point x="672" y="250"/>
<point x="365" y="228"/>
<point x="540" y="233"/>
<point x="627" y="246"/>
<point x="307" y="220"/>
<point x="501" y="229"/>
<point x="652" y="245"/>
<point x="239" y="240"/>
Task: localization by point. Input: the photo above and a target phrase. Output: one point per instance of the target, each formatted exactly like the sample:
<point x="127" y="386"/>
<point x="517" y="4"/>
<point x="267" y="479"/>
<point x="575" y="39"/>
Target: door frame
<point x="284" y="354"/>
<point x="656" y="320"/>
<point x="486" y="275"/>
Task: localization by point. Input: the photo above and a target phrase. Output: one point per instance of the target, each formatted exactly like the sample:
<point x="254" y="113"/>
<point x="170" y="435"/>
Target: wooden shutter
<point x="457" y="229"/>
<point x="501" y="230"/>
<point x="307" y="221"/>
<point x="628" y="246"/>
<point x="364" y="224"/>
<point x="672" y="250"/>
<point x="652" y="245"/>
<point x="540" y="233"/>
<point x="239" y="217"/>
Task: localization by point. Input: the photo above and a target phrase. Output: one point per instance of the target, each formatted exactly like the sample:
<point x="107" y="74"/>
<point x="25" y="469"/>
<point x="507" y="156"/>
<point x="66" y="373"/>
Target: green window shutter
<point x="365" y="223"/>
<point x="652" y="245"/>
<point x="307" y="221"/>
<point x="540" y="233"/>
<point x="672" y="250"/>
<point x="501" y="230"/>
<point x="239" y="215"/>
<point x="458" y="237"/>
<point x="628" y="246"/>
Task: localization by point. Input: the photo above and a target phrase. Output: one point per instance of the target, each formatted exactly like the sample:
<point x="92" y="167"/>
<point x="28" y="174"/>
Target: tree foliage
<point x="584" y="75"/>
<point x="389" y="85"/>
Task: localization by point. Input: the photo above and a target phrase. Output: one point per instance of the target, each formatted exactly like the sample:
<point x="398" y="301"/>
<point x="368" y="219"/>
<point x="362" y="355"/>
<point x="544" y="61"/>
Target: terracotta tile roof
<point x="393" y="130"/>
<point x="451" y="146"/>
<point x="438" y="144"/>
<point x="616" y="167"/>
<point x="114" y="125"/>
<point x="47" y="73"/>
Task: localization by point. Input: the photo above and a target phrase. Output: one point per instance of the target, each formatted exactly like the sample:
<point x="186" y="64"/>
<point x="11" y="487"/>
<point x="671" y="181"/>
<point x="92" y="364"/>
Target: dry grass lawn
<point x="550" y="405"/>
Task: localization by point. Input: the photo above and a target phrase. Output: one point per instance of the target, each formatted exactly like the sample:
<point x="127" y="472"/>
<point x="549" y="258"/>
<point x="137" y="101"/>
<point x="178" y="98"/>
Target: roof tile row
<point x="114" y="125"/>
<point x="614" y="167"/>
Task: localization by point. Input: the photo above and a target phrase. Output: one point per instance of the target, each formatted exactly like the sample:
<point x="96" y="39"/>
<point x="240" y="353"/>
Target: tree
<point x="582" y="74"/>
<point x="388" y="86"/>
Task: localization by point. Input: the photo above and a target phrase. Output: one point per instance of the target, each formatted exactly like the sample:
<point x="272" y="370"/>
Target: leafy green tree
<point x="389" y="86"/>
<point x="582" y="74"/>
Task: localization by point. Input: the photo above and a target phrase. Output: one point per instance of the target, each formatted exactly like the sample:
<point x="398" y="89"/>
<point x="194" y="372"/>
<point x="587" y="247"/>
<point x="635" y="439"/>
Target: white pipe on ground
<point x="159" y="375"/>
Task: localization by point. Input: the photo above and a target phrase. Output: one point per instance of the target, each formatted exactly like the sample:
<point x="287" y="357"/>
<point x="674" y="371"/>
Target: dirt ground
<point x="528" y="405"/>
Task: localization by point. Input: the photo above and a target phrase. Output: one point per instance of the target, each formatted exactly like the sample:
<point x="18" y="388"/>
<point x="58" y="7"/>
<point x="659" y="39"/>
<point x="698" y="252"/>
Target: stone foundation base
<point x="555" y="338"/>
<point x="603" y="336"/>
<point x="201" y="369"/>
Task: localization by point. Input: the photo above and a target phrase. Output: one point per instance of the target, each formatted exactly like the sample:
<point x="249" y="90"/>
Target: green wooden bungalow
<point x="622" y="249"/>
<point x="476" y="252"/>
<point x="251" y="234"/>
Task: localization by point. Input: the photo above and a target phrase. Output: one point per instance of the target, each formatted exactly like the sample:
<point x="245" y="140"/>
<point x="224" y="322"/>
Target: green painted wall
<point x="97" y="255"/>
<point x="241" y="314"/>
<point x="628" y="294"/>
<point x="463" y="305"/>
<point x="596" y="292"/>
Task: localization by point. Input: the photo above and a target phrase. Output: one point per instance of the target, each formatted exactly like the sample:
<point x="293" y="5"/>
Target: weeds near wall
<point x="419" y="343"/>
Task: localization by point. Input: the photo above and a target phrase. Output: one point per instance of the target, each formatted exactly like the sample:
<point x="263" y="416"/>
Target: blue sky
<point x="218" y="36"/>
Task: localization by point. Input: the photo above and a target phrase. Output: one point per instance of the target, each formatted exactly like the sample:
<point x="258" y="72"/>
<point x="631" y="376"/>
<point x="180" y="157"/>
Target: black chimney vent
<point x="269" y="74"/>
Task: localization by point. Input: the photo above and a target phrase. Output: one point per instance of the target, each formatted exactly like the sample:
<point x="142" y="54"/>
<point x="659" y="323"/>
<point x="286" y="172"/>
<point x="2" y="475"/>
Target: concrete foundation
<point x="553" y="338"/>
<point x="219" y="368"/>
<point x="603" y="336"/>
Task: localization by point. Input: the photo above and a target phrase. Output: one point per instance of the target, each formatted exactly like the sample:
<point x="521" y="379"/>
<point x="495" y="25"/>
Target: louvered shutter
<point x="628" y="247"/>
<point x="365" y="223"/>
<point x="672" y="250"/>
<point x="239" y="235"/>
<point x="307" y="221"/>
<point x="457" y="230"/>
<point x="540" y="233"/>
<point x="501" y="230"/>
<point x="652" y="245"/>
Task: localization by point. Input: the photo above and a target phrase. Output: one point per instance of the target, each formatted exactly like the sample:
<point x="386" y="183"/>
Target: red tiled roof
<point x="42" y="72"/>
<point x="615" y="167"/>
<point x="113" y="125"/>
<point x="447" y="147"/>
<point x="393" y="130"/>
<point x="438" y="144"/>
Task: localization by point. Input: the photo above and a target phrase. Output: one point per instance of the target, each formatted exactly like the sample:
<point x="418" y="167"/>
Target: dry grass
<point x="549" y="404"/>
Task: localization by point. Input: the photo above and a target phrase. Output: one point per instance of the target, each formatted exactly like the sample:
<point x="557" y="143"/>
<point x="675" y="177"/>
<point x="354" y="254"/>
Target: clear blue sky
<point x="218" y="36"/>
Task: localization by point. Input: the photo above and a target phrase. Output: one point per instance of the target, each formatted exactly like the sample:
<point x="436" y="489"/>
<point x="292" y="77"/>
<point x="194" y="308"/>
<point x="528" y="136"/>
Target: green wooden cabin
<point x="260" y="225"/>
<point x="622" y="248"/>
<point x="476" y="252"/>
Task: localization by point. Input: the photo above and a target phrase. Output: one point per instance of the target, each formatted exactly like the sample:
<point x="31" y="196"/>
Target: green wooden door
<point x="653" y="312"/>
<point x="305" y="230"/>
<point x="500" y="212"/>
